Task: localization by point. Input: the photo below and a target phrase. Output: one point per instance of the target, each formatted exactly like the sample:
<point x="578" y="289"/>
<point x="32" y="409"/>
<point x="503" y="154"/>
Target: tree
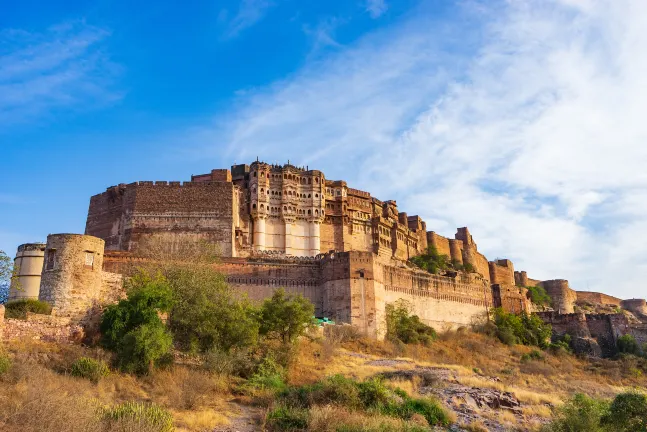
<point x="627" y="413"/>
<point x="627" y="344"/>
<point x="133" y="327"/>
<point x="6" y="273"/>
<point x="580" y="414"/>
<point x="285" y="316"/>
<point x="521" y="329"/>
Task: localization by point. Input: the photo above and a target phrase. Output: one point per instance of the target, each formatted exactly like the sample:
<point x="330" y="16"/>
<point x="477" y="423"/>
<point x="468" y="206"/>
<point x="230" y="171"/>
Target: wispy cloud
<point x="521" y="120"/>
<point x="63" y="67"/>
<point x="376" y="8"/>
<point x="249" y="13"/>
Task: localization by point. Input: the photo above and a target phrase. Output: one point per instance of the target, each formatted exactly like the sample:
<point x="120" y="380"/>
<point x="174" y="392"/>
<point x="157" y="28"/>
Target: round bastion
<point x="28" y="266"/>
<point x="71" y="278"/>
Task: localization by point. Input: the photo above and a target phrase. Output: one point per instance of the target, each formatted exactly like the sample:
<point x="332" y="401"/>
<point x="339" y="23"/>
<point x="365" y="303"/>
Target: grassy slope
<point x="37" y="387"/>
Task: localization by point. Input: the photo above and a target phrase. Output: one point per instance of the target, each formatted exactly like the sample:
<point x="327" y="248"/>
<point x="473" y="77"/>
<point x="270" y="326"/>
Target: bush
<point x="627" y="413"/>
<point x="146" y="347"/>
<point x="18" y="309"/>
<point x="521" y="329"/>
<point x="402" y="326"/>
<point x="269" y="376"/>
<point x="90" y="369"/>
<point x="539" y="296"/>
<point x="371" y="396"/>
<point x="580" y="414"/>
<point x="5" y="364"/>
<point x="286" y="316"/>
<point x="133" y="327"/>
<point x="138" y="416"/>
<point x="627" y="345"/>
<point x="432" y="261"/>
<point x="532" y="355"/>
<point x="283" y="418"/>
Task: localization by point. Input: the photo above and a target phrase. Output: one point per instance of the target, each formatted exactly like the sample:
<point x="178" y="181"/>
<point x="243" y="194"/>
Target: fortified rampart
<point x="287" y="226"/>
<point x="597" y="298"/>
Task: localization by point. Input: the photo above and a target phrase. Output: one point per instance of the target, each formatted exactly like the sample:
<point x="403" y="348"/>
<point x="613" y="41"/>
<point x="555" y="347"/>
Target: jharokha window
<point x="89" y="260"/>
<point x="51" y="259"/>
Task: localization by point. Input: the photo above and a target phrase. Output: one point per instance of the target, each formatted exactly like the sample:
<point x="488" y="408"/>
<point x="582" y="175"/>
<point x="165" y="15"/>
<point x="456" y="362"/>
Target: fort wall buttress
<point x="502" y="272"/>
<point x="637" y="306"/>
<point x="562" y="295"/>
<point x="440" y="243"/>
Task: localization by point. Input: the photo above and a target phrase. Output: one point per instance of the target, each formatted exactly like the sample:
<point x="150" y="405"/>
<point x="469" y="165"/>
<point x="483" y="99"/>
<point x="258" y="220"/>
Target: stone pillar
<point x="315" y="238"/>
<point x="259" y="233"/>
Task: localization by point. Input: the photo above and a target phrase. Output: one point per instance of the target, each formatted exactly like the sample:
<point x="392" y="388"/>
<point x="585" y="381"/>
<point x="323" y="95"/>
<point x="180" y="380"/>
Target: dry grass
<point x="37" y="394"/>
<point x="332" y="418"/>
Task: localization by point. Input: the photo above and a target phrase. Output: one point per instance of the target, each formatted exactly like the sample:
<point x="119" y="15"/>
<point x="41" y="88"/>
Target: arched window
<point x="262" y="174"/>
<point x="316" y="212"/>
<point x="262" y="207"/>
<point x="309" y="196"/>
<point x="309" y="212"/>
<point x="285" y="176"/>
<point x="254" y="173"/>
<point x="285" y="208"/>
<point x="262" y="190"/>
<point x="253" y="206"/>
<point x="316" y="195"/>
<point x="279" y="193"/>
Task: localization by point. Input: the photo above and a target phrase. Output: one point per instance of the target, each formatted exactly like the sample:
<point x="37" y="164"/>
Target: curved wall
<point x="29" y="266"/>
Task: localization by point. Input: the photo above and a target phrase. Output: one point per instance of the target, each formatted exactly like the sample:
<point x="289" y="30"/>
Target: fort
<point x="287" y="226"/>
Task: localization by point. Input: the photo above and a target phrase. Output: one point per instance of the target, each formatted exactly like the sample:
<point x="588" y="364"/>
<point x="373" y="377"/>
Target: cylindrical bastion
<point x="28" y="265"/>
<point x="71" y="278"/>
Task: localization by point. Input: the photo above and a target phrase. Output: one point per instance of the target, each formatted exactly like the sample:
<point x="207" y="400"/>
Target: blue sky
<point x="522" y="120"/>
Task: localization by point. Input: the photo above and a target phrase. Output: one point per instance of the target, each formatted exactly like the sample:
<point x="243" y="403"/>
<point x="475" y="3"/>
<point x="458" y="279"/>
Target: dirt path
<point x="248" y="420"/>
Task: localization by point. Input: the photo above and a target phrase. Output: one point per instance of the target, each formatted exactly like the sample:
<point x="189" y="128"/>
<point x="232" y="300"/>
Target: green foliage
<point x="133" y="327"/>
<point x="532" y="355"/>
<point x="286" y="316"/>
<point x="561" y="345"/>
<point x="432" y="261"/>
<point x="269" y="376"/>
<point x="6" y="273"/>
<point x="539" y="296"/>
<point x="580" y="414"/>
<point x="90" y="369"/>
<point x="627" y="344"/>
<point x="18" y="308"/>
<point x="521" y="329"/>
<point x="627" y="413"/>
<point x="402" y="326"/>
<point x="144" y="348"/>
<point x="207" y="315"/>
<point x="143" y="415"/>
<point x="5" y="364"/>
<point x="372" y="396"/>
<point x="147" y="298"/>
<point x="283" y="418"/>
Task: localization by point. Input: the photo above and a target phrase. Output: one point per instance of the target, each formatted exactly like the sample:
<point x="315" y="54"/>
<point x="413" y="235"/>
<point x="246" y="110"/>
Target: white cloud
<point x="61" y="68"/>
<point x="521" y="120"/>
<point x="376" y="8"/>
<point x="249" y="13"/>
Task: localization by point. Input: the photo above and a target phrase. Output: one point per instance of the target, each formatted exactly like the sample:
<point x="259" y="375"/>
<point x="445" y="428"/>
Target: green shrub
<point x="133" y="327"/>
<point x="18" y="308"/>
<point x="627" y="344"/>
<point x="402" y="326"/>
<point x="90" y="369"/>
<point x="539" y="296"/>
<point x="532" y="355"/>
<point x="269" y="376"/>
<point x="627" y="413"/>
<point x="580" y="414"/>
<point x="522" y="329"/>
<point x="138" y="416"/>
<point x="432" y="261"/>
<point x="283" y="418"/>
<point x="5" y="364"/>
<point x="286" y="316"/>
<point x="146" y="347"/>
<point x="372" y="396"/>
